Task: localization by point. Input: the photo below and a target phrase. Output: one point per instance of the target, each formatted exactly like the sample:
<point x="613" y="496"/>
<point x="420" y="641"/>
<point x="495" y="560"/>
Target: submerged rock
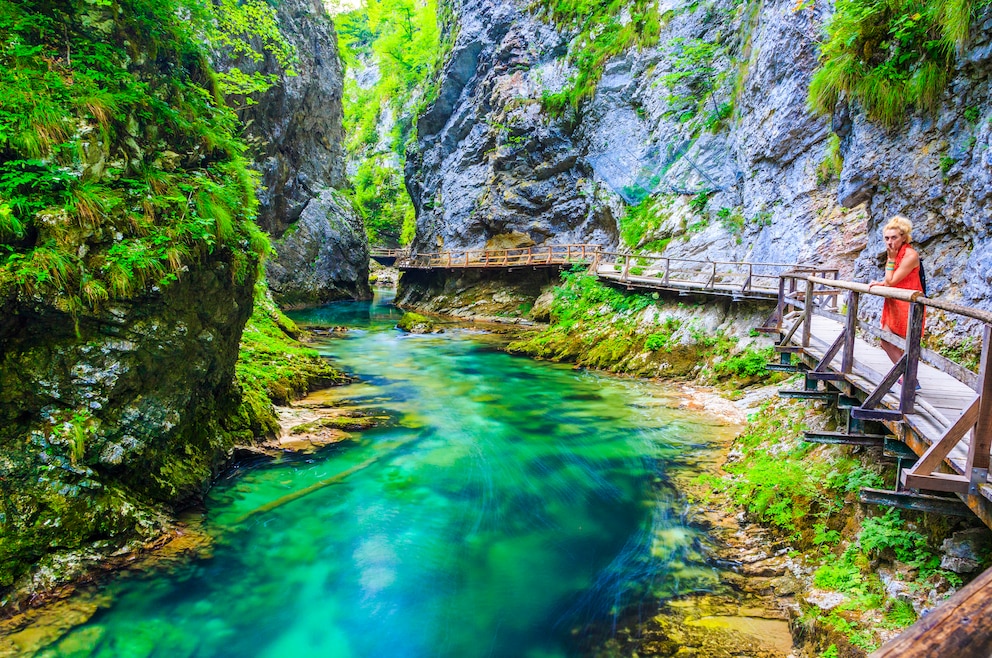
<point x="415" y="323"/>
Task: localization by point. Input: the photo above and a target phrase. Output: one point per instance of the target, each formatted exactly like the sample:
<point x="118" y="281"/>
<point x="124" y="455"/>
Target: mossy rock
<point x="415" y="323"/>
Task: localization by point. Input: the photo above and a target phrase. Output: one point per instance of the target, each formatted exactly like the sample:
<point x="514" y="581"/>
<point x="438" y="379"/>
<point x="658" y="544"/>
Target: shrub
<point x="890" y="55"/>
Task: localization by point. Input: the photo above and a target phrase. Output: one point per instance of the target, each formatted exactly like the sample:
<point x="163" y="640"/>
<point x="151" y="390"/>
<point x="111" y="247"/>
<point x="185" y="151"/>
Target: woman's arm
<point x="910" y="261"/>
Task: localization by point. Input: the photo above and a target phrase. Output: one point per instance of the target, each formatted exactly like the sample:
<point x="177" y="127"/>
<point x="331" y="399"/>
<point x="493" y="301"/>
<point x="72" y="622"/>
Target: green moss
<point x="415" y="323"/>
<point x="273" y="368"/>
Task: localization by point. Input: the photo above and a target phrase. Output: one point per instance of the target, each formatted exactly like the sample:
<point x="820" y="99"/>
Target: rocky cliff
<point x="128" y="258"/>
<point x="321" y="253"/>
<point x="706" y="131"/>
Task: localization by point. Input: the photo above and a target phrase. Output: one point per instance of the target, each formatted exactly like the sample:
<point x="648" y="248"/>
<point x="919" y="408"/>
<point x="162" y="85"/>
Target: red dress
<point x="895" y="313"/>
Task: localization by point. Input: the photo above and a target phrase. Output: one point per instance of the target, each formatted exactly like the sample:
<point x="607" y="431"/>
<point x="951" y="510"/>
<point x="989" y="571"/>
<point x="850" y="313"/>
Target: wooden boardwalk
<point x="946" y="422"/>
<point x="734" y="279"/>
<point x="560" y="255"/>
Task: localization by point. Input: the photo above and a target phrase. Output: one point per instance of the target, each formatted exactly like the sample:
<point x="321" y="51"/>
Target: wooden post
<point x="780" y="308"/>
<point x="847" y="360"/>
<point x="668" y="267"/>
<point x="807" y="313"/>
<point x="981" y="442"/>
<point x="626" y="267"/>
<point x="449" y="259"/>
<point x="907" y="397"/>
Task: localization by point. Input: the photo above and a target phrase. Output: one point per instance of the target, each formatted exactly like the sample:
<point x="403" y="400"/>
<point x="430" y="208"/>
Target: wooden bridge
<point x="735" y="279"/>
<point x="561" y="255"/>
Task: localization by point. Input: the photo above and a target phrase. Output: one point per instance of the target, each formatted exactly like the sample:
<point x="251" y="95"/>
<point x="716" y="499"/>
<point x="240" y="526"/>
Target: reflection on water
<point x="514" y="505"/>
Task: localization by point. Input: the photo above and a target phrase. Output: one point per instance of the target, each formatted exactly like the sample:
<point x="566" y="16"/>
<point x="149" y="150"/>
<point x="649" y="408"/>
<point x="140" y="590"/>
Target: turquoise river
<point x="511" y="508"/>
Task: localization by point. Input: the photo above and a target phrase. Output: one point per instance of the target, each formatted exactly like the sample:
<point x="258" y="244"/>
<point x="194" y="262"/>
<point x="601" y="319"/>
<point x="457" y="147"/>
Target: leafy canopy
<point x="401" y="39"/>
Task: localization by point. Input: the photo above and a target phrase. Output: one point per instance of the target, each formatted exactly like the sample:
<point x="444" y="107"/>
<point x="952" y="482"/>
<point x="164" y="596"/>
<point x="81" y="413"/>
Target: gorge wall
<point x="295" y="128"/>
<point x="129" y="255"/>
<point x="709" y="123"/>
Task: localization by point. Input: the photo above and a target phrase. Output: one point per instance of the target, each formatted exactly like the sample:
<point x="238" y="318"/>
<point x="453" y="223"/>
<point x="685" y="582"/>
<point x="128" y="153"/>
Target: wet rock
<point x="321" y="252"/>
<point x="415" y="323"/>
<point x="324" y="257"/>
<point x="965" y="551"/>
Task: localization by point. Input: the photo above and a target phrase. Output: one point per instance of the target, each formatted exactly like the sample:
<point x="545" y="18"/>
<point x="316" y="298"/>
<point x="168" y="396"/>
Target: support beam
<point x="937" y="482"/>
<point x="981" y="442"/>
<point x="914" y="501"/>
<point x="843" y="438"/>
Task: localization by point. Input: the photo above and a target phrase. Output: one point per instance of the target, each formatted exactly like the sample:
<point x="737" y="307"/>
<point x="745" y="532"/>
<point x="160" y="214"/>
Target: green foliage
<point x="832" y="163"/>
<point x="900" y="615"/>
<point x="888" y="533"/>
<point x="640" y="220"/>
<point x="946" y="162"/>
<point x="692" y="80"/>
<point x="831" y="652"/>
<point x="699" y="201"/>
<point x="732" y="221"/>
<point x="116" y="176"/>
<point x="746" y="364"/>
<point x="600" y="37"/>
<point x="237" y="27"/>
<point x="967" y="352"/>
<point x="890" y="55"/>
<point x="401" y="38"/>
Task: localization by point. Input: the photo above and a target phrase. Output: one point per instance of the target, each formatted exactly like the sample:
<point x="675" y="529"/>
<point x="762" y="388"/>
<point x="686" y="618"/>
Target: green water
<point x="512" y="509"/>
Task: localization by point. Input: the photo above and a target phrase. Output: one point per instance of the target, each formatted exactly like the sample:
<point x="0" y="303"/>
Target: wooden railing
<point x="561" y="254"/>
<point x="389" y="253"/>
<point x="704" y="275"/>
<point x="975" y="418"/>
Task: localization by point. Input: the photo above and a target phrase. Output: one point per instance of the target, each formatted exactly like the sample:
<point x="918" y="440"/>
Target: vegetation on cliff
<point x="398" y="42"/>
<point x="891" y="56"/>
<point x="121" y="164"/>
<point x="872" y="564"/>
<point x="602" y="35"/>
<point x="127" y="259"/>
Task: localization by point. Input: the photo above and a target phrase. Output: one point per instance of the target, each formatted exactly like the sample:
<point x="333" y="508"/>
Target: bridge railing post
<point x="807" y="313"/>
<point x="981" y="440"/>
<point x="907" y="396"/>
<point x="847" y="359"/>
<point x="626" y="268"/>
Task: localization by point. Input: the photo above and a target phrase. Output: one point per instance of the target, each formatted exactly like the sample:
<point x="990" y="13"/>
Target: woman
<point x="902" y="270"/>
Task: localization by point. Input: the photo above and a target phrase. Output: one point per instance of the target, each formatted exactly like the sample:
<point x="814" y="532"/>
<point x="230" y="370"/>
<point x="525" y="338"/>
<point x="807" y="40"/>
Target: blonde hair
<point x="902" y="224"/>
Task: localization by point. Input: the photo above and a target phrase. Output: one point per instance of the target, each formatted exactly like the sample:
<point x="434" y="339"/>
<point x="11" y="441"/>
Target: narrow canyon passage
<point x="511" y="508"/>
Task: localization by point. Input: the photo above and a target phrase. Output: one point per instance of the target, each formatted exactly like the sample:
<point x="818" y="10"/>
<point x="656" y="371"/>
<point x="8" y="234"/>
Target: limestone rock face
<point x="740" y="142"/>
<point x="297" y="128"/>
<point x="323" y="256"/>
<point x="110" y="418"/>
<point x="487" y="164"/>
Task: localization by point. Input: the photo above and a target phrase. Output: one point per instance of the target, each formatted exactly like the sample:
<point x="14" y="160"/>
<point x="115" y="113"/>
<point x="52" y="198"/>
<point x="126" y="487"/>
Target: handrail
<point x="908" y="296"/>
<point x="975" y="420"/>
